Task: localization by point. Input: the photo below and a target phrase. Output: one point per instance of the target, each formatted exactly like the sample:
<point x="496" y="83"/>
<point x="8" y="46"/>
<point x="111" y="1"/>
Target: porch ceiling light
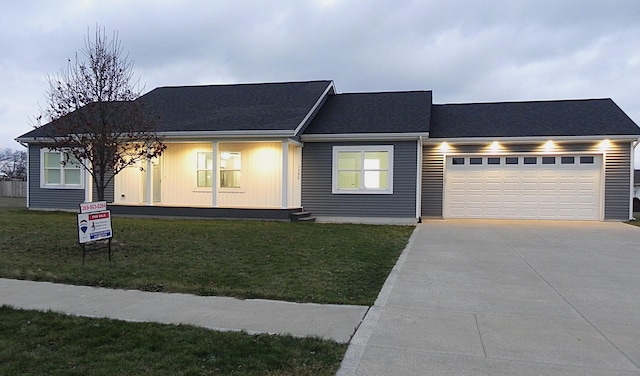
<point x="495" y="146"/>
<point x="604" y="145"/>
<point x="444" y="147"/>
<point x="549" y="145"/>
<point x="225" y="155"/>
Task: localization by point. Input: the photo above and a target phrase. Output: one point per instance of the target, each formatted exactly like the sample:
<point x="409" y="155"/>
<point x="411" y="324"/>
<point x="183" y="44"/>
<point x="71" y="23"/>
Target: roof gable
<point x="590" y="117"/>
<point x="368" y="113"/>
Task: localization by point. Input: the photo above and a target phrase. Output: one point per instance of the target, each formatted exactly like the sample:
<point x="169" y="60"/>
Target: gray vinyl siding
<point x="47" y="198"/>
<point x="316" y="184"/>
<point x="617" y="186"/>
<point x="432" y="181"/>
<point x="617" y="174"/>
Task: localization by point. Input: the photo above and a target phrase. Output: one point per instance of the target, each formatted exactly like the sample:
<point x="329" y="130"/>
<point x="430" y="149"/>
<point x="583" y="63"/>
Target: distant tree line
<point x="13" y="164"/>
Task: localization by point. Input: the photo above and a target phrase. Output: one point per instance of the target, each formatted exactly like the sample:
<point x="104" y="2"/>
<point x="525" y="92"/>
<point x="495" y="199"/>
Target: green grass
<point x="37" y="343"/>
<point x="303" y="262"/>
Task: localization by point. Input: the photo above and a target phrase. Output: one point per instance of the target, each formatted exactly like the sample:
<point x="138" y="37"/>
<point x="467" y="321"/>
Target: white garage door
<point x="525" y="186"/>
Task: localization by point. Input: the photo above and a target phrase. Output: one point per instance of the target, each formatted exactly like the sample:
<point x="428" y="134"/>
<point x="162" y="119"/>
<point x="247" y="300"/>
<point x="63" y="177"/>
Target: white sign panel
<point x="90" y="207"/>
<point x="94" y="226"/>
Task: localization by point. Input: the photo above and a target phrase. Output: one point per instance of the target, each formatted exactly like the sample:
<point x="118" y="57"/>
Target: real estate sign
<point x="94" y="222"/>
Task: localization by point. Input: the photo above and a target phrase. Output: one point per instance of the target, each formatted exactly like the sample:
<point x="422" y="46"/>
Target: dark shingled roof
<point x="243" y="107"/>
<point x="590" y="117"/>
<point x="390" y="112"/>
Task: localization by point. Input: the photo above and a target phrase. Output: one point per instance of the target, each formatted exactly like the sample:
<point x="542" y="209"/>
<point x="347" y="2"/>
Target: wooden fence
<point x="13" y="188"/>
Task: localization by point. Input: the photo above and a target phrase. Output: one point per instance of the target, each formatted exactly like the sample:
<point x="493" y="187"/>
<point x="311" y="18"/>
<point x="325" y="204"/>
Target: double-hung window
<point x="363" y="169"/>
<point x="60" y="170"/>
<point x="230" y="169"/>
<point x="204" y="169"/>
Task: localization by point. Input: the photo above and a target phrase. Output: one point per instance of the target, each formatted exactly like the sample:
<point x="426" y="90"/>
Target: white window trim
<point x="62" y="185"/>
<point x="361" y="149"/>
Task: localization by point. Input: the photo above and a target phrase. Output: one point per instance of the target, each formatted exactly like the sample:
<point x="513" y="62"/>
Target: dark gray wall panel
<point x="41" y="198"/>
<point x="316" y="184"/>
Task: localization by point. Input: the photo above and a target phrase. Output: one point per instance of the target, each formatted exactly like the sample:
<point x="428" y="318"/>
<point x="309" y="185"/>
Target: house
<point x="269" y="150"/>
<point x="636" y="183"/>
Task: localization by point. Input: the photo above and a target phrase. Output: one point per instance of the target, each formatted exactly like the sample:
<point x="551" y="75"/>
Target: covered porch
<point x="222" y="174"/>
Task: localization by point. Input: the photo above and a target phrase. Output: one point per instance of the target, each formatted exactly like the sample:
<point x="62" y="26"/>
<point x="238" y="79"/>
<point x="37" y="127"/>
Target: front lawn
<point x="303" y="262"/>
<point x="38" y="343"/>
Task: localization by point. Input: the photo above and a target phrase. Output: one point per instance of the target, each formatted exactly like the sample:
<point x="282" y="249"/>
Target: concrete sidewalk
<point x="487" y="298"/>
<point x="335" y="322"/>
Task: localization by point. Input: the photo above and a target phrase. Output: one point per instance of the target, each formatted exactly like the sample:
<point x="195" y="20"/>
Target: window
<point x="548" y="160"/>
<point x="457" y="161"/>
<point x="586" y="159"/>
<point x="567" y="160"/>
<point x="362" y="169"/>
<point x="493" y="160"/>
<point x="475" y="161"/>
<point x="511" y="160"/>
<point x="230" y="169"/>
<point x="205" y="170"/>
<point x="60" y="170"/>
<point x="530" y="160"/>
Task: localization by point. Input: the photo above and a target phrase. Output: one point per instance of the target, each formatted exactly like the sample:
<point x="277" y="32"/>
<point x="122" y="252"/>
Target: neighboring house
<point x="636" y="183"/>
<point x="269" y="150"/>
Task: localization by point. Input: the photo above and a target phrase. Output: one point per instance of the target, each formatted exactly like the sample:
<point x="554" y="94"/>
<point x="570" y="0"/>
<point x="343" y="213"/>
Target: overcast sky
<point x="463" y="50"/>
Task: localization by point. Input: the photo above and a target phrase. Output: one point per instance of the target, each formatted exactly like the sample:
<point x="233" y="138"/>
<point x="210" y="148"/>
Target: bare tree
<point x="93" y="115"/>
<point x="13" y="164"/>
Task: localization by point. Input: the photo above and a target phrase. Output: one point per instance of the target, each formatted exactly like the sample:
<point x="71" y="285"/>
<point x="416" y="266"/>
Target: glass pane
<point x="475" y="161"/>
<point x="52" y="159"/>
<point x="376" y="180"/>
<point x="511" y="160"/>
<point x="586" y="160"/>
<point x="376" y="160"/>
<point x="349" y="180"/>
<point x="230" y="160"/>
<point x="548" y="160"/>
<point x="52" y="176"/>
<point x="530" y="160"/>
<point x="205" y="161"/>
<point x="348" y="160"/>
<point x="458" y="161"/>
<point x="493" y="160"/>
<point x="567" y="160"/>
<point x="205" y="178"/>
<point x="229" y="179"/>
<point x="72" y="161"/>
<point x="72" y="176"/>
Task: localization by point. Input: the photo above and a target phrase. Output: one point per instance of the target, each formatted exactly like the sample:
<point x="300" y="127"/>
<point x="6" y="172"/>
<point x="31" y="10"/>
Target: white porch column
<point x="214" y="175"/>
<point x="149" y="182"/>
<point x="285" y="173"/>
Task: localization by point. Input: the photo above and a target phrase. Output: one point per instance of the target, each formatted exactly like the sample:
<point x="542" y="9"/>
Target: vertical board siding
<point x="261" y="179"/>
<point x="47" y="198"/>
<point x="316" y="184"/>
<point x="617" y="175"/>
<point x="294" y="177"/>
<point x="178" y="179"/>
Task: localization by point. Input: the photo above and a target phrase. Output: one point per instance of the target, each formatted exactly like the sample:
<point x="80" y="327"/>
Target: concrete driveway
<point x="507" y="298"/>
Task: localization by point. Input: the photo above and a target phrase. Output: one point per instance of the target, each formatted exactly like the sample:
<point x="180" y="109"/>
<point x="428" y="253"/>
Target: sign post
<point x="94" y="224"/>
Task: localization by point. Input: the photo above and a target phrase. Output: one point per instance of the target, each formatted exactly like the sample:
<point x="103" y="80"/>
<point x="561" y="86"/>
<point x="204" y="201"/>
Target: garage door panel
<point x="542" y="191"/>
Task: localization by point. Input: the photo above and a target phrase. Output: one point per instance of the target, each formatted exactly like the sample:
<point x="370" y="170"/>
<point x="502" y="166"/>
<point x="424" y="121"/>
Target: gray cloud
<point x="465" y="51"/>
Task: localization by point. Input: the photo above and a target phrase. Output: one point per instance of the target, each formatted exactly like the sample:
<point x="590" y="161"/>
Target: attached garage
<point x="565" y="187"/>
